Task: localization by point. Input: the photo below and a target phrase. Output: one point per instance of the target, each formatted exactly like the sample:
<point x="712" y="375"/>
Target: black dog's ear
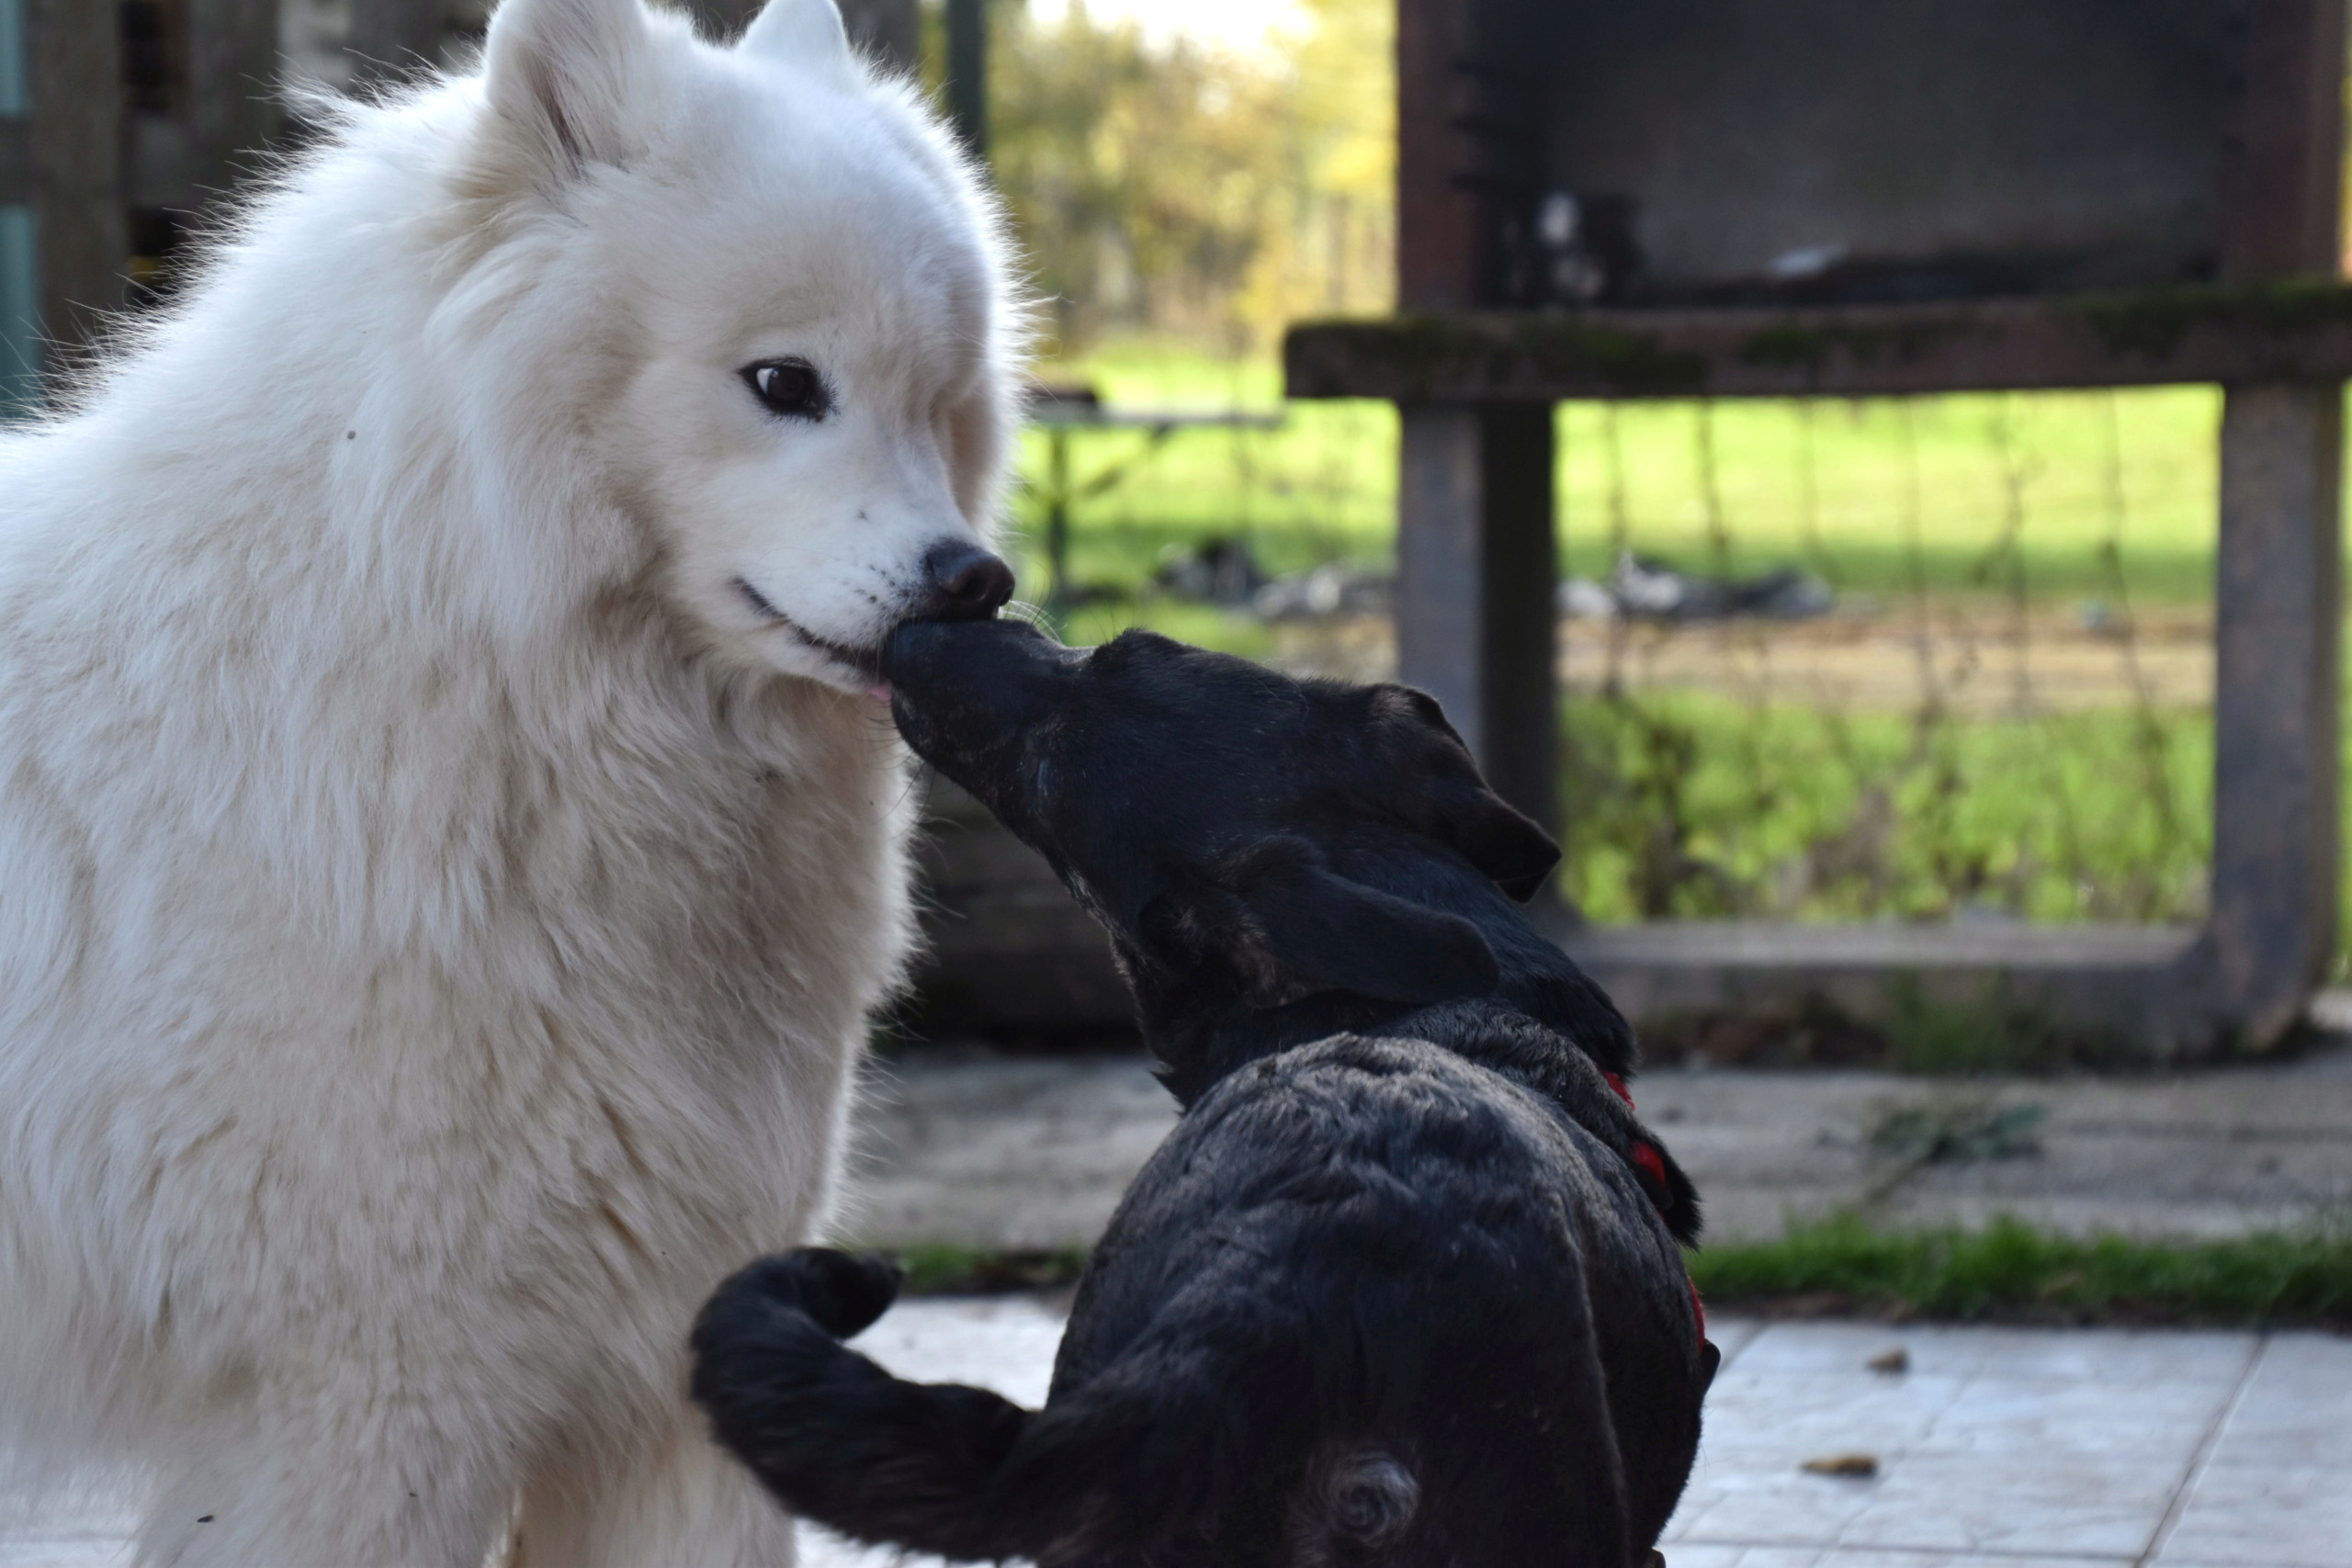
<point x="1502" y="841"/>
<point x="1337" y="935"/>
<point x="1456" y="806"/>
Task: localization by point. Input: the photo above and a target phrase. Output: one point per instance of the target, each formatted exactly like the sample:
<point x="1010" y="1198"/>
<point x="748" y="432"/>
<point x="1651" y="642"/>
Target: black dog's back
<point x="1334" y="1321"/>
<point x="1374" y="1248"/>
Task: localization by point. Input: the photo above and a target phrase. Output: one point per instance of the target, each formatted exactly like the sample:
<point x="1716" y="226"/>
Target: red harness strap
<point x="1646" y="1157"/>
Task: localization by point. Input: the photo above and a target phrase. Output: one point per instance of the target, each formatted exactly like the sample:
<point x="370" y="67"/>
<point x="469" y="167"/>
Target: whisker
<point x="1029" y="616"/>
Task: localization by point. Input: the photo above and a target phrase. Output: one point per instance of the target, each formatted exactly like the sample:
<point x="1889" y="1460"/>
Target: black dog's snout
<point x="961" y="583"/>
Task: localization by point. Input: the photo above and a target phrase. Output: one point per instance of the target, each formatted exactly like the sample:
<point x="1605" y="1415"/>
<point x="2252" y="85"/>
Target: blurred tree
<point x="1173" y="188"/>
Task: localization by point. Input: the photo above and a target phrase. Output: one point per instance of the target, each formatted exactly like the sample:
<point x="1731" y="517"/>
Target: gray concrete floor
<point x="1021" y="1152"/>
<point x="2021" y="1448"/>
<point x="1996" y="1448"/>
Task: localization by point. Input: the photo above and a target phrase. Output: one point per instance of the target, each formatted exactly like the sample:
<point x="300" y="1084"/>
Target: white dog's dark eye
<point x="790" y="388"/>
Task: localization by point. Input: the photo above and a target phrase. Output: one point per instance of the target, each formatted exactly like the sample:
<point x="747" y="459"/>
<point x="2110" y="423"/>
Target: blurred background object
<point x="1778" y="516"/>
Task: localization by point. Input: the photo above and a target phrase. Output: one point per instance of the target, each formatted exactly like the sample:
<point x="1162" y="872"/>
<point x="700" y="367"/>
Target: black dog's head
<point x="1250" y="841"/>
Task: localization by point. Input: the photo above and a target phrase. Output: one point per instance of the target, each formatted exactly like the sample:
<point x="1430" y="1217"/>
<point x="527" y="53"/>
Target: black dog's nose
<point x="964" y="583"/>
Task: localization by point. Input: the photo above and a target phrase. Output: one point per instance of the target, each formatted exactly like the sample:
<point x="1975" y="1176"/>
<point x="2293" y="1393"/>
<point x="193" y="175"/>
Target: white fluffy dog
<point x="446" y="852"/>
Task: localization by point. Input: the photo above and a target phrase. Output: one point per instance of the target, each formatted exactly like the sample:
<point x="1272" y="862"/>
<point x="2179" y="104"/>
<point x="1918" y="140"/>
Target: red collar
<point x="1648" y="1160"/>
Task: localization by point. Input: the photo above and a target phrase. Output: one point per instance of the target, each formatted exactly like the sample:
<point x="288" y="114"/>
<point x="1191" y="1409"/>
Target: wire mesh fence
<point x="1918" y="658"/>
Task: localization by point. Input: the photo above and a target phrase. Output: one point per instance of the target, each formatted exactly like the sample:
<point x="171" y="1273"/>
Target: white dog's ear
<point x="562" y="75"/>
<point x="802" y="32"/>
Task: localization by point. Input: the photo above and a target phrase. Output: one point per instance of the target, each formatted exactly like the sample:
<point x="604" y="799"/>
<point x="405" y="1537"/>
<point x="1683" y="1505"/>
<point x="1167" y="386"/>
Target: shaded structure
<point x="62" y="208"/>
<point x="1853" y="198"/>
<point x="122" y="122"/>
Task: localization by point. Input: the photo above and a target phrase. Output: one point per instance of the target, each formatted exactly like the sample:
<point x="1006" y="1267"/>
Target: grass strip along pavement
<point x="1842" y="1266"/>
<point x="2011" y="1272"/>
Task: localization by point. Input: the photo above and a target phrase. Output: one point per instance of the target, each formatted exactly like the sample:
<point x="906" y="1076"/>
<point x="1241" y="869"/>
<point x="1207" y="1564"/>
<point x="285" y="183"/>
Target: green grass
<point x="1688" y="805"/>
<point x="1949" y="493"/>
<point x="951" y="1268"/>
<point x="1684" y="805"/>
<point x="2007" y="1271"/>
<point x="1888" y="496"/>
<point x="2010" y="1271"/>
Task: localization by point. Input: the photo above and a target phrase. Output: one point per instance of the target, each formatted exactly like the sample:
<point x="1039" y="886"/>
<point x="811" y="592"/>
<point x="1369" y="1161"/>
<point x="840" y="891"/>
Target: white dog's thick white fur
<point x="444" y="875"/>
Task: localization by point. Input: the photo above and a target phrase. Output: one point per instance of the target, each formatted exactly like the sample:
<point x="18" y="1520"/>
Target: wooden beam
<point x="2293" y="330"/>
<point x="2281" y="203"/>
<point x="74" y="74"/>
<point x="1437" y="213"/>
<point x="1475" y="626"/>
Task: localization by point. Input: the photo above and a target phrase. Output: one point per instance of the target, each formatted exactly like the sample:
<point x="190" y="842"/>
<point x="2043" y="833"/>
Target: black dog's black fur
<point x="1396" y="1291"/>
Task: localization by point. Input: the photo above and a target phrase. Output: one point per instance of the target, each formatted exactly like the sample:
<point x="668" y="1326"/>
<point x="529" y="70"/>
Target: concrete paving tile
<point x="2014" y="1504"/>
<point x="995" y="1152"/>
<point x="2156" y="1422"/>
<point x="818" y="1549"/>
<point x="2295" y="1412"/>
<point x="2203" y="1154"/>
<point x="962" y="1147"/>
<point x="2262" y="1516"/>
<point x="1765" y="1214"/>
<point x="1983" y="1468"/>
<point x="1805" y="1348"/>
<point x="1730" y="1503"/>
<point x="1712" y="1556"/>
<point x="1732" y="1335"/>
<point x="1843" y="1559"/>
<point x="1798" y="1417"/>
<point x="1006" y="1343"/>
<point x="2118" y="1356"/>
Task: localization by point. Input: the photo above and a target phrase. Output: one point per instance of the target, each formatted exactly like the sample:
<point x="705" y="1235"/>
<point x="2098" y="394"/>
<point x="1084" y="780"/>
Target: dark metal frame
<point x="1474" y="616"/>
<point x="84" y="158"/>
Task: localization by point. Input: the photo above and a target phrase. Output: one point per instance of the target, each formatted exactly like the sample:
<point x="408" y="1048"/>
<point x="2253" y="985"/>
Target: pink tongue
<point x="879" y="691"/>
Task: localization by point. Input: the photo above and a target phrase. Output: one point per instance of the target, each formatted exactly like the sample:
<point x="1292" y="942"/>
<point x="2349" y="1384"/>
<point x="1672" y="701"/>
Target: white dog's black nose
<point x="961" y="583"/>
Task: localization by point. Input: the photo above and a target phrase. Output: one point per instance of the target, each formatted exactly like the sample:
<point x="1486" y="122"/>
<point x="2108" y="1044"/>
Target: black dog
<point x="1402" y="1287"/>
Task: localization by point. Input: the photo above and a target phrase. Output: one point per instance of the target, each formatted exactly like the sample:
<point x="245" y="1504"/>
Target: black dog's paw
<point x="842" y="1293"/>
